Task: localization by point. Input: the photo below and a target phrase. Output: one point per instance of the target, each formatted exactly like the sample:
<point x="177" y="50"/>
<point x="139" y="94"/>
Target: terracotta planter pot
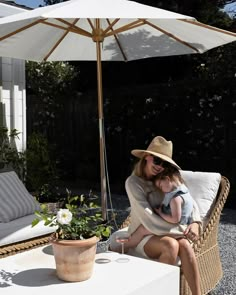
<point x="74" y="258"/>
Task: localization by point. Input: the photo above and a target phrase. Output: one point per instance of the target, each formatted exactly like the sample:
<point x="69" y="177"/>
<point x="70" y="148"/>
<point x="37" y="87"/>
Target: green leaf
<point x="35" y="222"/>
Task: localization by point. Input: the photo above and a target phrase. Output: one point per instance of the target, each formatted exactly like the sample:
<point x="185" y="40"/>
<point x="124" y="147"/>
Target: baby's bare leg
<point x="137" y="237"/>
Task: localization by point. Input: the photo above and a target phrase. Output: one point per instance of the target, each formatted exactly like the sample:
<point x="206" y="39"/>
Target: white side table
<point x="33" y="272"/>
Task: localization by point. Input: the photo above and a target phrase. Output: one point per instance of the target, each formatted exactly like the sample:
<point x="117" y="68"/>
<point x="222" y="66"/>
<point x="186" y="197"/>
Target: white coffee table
<point x="33" y="272"/>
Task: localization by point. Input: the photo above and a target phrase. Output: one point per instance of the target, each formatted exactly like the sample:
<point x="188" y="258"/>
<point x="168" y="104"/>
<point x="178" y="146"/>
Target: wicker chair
<point x="206" y="248"/>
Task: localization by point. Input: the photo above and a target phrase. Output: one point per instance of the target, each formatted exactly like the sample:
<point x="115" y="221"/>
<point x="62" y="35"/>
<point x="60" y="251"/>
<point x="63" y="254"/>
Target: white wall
<point x="12" y="89"/>
<point x="13" y="97"/>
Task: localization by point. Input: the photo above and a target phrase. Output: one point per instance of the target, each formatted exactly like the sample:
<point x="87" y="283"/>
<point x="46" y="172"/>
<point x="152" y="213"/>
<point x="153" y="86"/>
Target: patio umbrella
<point x="100" y="30"/>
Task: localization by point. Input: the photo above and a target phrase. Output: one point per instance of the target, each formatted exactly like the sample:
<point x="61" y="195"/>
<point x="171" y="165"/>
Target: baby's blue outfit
<point x="187" y="205"/>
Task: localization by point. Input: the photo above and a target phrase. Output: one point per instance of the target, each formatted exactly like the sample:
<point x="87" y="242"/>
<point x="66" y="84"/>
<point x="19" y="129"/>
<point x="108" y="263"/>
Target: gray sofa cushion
<point x="20" y="229"/>
<point x="15" y="200"/>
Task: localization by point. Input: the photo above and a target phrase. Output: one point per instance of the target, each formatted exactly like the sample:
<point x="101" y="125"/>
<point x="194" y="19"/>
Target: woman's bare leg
<point x="189" y="266"/>
<point x="163" y="249"/>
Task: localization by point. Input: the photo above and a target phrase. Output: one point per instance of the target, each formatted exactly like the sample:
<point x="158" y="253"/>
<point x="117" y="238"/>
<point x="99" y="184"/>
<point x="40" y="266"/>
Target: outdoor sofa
<point x="17" y="207"/>
<point x="210" y="191"/>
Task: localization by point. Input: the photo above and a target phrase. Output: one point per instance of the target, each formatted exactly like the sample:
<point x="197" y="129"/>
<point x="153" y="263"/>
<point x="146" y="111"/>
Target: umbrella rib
<point x="116" y="38"/>
<point x="58" y="42"/>
<point x="91" y="24"/>
<point x="172" y="36"/>
<point x="20" y="30"/>
<point x="127" y="27"/>
<point x="196" y="23"/>
<point x="74" y="28"/>
<point x="111" y="24"/>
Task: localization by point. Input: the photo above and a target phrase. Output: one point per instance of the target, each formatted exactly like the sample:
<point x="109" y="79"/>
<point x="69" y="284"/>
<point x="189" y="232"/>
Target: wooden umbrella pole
<point x="98" y="39"/>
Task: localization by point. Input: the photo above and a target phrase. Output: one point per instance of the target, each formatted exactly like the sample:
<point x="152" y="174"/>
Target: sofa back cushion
<point x="15" y="200"/>
<point x="203" y="187"/>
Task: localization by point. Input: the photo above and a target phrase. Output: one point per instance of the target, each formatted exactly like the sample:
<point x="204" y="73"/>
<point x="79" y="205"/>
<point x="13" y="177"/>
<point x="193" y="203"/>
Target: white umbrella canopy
<point x="104" y="30"/>
<point x="128" y="31"/>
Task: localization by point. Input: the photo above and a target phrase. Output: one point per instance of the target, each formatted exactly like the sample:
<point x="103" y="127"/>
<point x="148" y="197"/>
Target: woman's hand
<point x="192" y="232"/>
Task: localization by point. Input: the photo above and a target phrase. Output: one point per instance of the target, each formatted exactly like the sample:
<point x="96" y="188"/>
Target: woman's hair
<point x="139" y="168"/>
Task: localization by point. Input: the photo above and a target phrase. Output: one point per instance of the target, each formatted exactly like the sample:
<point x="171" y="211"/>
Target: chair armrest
<point x="211" y="229"/>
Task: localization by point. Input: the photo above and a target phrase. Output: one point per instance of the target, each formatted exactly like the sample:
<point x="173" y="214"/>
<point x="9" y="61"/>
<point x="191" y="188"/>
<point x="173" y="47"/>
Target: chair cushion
<point x="20" y="229"/>
<point x="203" y="186"/>
<point x="15" y="200"/>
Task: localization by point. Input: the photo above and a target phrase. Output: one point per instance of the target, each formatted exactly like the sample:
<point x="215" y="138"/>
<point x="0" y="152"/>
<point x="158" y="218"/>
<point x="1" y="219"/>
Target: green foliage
<point x="49" y="86"/>
<point x="41" y="168"/>
<point x="51" y="2"/>
<point x="50" y="82"/>
<point x="79" y="220"/>
<point x="49" y="193"/>
<point x="48" y="77"/>
<point x="213" y="64"/>
<point x="10" y="158"/>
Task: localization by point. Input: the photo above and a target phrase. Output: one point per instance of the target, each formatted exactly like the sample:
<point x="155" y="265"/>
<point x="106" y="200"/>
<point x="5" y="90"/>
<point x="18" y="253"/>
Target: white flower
<point x="64" y="216"/>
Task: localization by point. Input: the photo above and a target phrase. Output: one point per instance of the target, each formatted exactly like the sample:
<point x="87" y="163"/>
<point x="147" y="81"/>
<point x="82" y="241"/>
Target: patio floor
<point x="227" y="242"/>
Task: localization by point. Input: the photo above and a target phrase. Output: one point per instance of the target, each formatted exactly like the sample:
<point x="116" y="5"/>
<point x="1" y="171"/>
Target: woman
<point x="167" y="241"/>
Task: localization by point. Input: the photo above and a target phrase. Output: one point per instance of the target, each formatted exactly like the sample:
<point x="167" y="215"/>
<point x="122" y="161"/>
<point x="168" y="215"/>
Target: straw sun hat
<point x="159" y="147"/>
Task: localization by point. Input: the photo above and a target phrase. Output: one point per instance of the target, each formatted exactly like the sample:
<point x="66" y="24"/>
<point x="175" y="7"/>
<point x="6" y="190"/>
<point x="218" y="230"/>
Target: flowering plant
<point x="79" y="220"/>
